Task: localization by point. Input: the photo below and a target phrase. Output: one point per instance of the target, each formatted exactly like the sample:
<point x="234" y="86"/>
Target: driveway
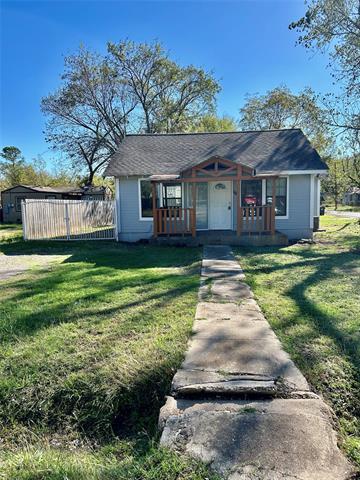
<point x="339" y="213"/>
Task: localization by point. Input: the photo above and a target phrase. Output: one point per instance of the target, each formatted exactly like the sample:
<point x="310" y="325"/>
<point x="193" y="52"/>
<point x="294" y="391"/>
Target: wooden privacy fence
<point x="68" y="219"/>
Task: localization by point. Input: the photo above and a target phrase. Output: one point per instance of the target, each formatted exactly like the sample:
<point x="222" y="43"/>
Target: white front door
<point x="220" y="206"/>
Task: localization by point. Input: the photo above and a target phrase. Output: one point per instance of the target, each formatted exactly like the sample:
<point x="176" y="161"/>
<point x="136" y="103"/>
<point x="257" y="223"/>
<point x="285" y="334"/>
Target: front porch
<point x="222" y="237"/>
<point x="217" y="201"/>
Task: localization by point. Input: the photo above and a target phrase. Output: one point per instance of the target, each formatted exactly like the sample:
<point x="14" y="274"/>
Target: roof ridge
<point x="207" y="133"/>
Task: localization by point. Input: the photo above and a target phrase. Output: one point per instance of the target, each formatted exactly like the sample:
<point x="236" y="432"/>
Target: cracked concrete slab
<point x="258" y="440"/>
<point x="196" y="382"/>
<point x="247" y="355"/>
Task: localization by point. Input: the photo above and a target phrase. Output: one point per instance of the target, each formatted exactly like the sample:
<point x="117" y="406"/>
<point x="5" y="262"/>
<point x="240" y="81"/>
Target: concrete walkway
<point x="238" y="401"/>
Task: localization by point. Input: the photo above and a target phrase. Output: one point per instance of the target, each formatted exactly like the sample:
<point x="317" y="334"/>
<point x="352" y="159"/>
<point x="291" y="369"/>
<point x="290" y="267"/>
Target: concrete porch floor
<point x="222" y="237"/>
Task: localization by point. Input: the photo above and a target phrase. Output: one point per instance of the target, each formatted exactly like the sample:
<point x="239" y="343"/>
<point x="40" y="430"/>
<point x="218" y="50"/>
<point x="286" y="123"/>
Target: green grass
<point x="310" y="295"/>
<point x="10" y="232"/>
<point x="88" y="349"/>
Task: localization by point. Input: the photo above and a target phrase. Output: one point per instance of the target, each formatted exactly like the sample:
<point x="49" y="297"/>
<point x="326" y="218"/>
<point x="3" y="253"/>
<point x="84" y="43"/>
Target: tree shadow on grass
<point x="92" y="277"/>
<point x="124" y="289"/>
<point x="323" y="266"/>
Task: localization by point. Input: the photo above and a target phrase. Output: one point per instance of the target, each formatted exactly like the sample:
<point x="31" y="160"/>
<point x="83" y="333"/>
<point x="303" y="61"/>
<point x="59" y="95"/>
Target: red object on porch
<point x="251" y="201"/>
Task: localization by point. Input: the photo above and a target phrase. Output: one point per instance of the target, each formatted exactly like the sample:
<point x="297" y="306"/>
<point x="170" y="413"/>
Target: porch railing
<point x="174" y="221"/>
<point x="257" y="219"/>
<point x="182" y="221"/>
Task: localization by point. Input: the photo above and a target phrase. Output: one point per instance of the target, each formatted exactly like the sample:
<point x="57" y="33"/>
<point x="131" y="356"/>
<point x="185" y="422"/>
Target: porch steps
<point x="223" y="238"/>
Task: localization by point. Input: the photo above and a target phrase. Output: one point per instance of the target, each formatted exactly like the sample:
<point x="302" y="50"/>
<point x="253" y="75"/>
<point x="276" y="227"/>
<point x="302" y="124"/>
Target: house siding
<point x="132" y="228"/>
<point x="296" y="226"/>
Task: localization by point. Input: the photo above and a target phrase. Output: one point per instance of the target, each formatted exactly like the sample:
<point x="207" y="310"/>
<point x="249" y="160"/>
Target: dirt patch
<point x="11" y="265"/>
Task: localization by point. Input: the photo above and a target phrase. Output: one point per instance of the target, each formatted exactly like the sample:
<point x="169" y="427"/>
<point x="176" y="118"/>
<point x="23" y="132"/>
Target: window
<point x="18" y="201"/>
<point x="251" y="193"/>
<point x="172" y="195"/>
<point x="145" y="194"/>
<point x="281" y="196"/>
<point x="201" y="205"/>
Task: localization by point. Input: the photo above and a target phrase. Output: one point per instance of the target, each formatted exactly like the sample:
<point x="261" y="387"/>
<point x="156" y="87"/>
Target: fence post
<point x="67" y="223"/>
<point x="23" y="218"/>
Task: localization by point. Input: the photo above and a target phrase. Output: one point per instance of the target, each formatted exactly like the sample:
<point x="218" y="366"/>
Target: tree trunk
<point x="90" y="178"/>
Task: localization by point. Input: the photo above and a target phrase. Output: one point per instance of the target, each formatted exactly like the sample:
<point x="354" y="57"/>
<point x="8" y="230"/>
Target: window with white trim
<point x="145" y="199"/>
<point x="281" y="206"/>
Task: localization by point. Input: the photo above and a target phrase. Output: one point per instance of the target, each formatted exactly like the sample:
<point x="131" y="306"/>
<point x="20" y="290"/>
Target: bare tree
<point x="88" y="116"/>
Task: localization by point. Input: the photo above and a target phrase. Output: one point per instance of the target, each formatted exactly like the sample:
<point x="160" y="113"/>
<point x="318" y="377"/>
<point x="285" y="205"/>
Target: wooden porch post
<point x="193" y="226"/>
<point x="155" y="226"/>
<point x="273" y="203"/>
<point x="239" y="215"/>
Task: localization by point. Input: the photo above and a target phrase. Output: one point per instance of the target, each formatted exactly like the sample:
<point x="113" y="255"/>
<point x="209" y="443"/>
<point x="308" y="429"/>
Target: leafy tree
<point x="336" y="182"/>
<point x="333" y="26"/>
<point x="169" y="96"/>
<point x="11" y="166"/>
<point x="89" y="114"/>
<point x="212" y="123"/>
<point x="15" y="170"/>
<point x="351" y="168"/>
<point x="280" y="108"/>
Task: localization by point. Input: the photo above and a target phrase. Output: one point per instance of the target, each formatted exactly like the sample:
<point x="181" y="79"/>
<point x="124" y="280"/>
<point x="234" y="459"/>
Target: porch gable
<point x="174" y="220"/>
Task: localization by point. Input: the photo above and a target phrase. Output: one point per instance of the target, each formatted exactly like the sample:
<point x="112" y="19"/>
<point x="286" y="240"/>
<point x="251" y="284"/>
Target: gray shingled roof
<point x="266" y="151"/>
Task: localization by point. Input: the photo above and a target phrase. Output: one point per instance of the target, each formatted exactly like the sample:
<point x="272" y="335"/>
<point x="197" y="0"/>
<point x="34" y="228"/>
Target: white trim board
<point x="141" y="218"/>
<point x="117" y="209"/>
<point x="294" y="172"/>
<point x="311" y="209"/>
<point x="278" y="217"/>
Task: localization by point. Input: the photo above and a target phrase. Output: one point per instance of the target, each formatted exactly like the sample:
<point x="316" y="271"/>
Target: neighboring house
<point x="242" y="184"/>
<point x="11" y="198"/>
<point x="352" y="197"/>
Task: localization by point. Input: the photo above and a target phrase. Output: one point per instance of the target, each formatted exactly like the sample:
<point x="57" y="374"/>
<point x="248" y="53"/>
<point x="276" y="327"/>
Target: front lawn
<point x="311" y="296"/>
<point x="10" y="231"/>
<point x="89" y="345"/>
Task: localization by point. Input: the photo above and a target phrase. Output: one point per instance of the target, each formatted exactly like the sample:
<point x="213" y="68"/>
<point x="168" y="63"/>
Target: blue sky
<point x="246" y="44"/>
